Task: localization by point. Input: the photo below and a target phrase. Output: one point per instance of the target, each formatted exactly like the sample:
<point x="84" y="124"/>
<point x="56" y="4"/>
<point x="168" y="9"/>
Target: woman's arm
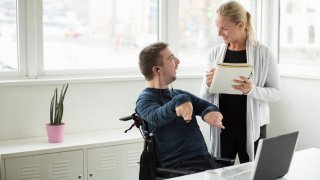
<point x="268" y="87"/>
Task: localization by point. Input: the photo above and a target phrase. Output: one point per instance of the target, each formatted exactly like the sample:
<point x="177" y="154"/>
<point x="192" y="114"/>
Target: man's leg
<point x="197" y="164"/>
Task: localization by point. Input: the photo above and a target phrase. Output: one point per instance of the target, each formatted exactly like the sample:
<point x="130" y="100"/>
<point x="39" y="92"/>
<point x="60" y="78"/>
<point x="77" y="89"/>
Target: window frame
<point x="120" y="72"/>
<point x="272" y="39"/>
<point x="21" y="52"/>
<point x="30" y="48"/>
<point x="30" y="43"/>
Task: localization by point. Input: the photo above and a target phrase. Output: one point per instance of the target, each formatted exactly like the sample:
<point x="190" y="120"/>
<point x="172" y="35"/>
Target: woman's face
<point x="228" y="30"/>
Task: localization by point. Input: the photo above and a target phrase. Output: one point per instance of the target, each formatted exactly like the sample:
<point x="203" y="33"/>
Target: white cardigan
<point x="266" y="88"/>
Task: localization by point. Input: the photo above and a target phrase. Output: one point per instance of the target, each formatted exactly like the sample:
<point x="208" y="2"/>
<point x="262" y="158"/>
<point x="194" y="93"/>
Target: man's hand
<point x="214" y="119"/>
<point x="185" y="110"/>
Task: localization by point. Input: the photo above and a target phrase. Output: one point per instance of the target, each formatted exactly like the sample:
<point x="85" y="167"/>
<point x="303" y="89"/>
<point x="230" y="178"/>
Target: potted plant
<point x="55" y="128"/>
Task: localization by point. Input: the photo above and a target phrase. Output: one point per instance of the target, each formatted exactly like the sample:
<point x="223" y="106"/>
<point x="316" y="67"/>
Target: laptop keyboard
<point x="237" y="173"/>
<point x="246" y="175"/>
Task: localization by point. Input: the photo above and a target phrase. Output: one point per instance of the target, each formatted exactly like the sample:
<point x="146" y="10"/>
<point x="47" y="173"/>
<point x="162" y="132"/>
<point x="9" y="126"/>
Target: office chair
<point x="149" y="169"/>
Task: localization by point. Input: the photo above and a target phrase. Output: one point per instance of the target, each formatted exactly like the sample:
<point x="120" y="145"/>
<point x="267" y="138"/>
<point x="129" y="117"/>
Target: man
<point x="170" y="113"/>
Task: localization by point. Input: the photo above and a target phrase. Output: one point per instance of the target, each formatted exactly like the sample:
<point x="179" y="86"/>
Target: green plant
<point x="56" y="106"/>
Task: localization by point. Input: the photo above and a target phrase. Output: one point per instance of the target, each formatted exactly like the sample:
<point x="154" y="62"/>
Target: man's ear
<point x="156" y="69"/>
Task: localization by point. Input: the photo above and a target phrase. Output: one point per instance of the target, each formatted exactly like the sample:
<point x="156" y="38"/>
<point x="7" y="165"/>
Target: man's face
<point x="170" y="65"/>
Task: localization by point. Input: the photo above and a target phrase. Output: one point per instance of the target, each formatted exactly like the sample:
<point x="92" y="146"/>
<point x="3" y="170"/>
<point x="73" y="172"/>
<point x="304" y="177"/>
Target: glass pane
<point x="8" y="36"/>
<point x="197" y="29"/>
<point x="299" y="32"/>
<point x="97" y="34"/>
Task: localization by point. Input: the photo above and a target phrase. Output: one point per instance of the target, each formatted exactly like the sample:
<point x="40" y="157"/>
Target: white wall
<point x="298" y="109"/>
<point x="24" y="109"/>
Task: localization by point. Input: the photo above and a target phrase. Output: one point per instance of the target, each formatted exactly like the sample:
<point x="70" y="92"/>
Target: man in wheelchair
<point x="170" y="114"/>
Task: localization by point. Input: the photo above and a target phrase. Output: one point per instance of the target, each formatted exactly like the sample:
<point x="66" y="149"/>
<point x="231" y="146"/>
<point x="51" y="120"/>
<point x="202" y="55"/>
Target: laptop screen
<point x="274" y="156"/>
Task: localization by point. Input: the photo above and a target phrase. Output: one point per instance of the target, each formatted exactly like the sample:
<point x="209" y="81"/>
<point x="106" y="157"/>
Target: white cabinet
<point x="62" y="166"/>
<point x="114" y="162"/>
<point x="90" y="156"/>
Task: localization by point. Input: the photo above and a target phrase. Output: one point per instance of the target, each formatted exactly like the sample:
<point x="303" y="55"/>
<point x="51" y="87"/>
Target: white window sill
<point x="292" y="71"/>
<point x="59" y="80"/>
<point x="119" y="75"/>
<point x="89" y="79"/>
<point x="300" y="71"/>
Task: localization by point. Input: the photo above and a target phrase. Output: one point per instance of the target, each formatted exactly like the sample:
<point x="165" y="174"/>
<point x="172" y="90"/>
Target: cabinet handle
<point x="91" y="174"/>
<point x="79" y="177"/>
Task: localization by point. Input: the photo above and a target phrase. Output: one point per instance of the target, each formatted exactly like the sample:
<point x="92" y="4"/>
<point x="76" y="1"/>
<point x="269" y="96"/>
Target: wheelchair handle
<point x="126" y="118"/>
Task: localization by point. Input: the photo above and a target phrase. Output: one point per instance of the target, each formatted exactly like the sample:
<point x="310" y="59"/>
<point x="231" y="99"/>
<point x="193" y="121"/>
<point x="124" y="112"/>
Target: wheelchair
<point x="149" y="169"/>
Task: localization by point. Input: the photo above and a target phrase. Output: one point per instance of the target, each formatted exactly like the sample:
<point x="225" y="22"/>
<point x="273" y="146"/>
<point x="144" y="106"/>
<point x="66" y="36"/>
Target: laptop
<point x="273" y="158"/>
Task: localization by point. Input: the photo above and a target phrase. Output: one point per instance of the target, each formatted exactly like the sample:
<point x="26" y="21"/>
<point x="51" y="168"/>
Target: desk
<point x="304" y="165"/>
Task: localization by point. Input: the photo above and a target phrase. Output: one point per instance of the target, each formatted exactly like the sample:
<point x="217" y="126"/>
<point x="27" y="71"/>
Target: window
<point x="197" y="30"/>
<point x="44" y="38"/>
<point x="97" y="34"/>
<point x="290" y="35"/>
<point x="311" y="35"/>
<point x="8" y="36"/>
<point x="299" y="22"/>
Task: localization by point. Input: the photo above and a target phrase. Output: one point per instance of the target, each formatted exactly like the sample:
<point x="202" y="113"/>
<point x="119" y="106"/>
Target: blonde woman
<point x="246" y="115"/>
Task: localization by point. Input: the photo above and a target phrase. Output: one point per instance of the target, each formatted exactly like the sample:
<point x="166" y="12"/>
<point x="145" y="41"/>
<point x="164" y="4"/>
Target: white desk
<point x="304" y="165"/>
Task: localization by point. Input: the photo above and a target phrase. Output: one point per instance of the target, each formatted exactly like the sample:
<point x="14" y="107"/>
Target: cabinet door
<point x="54" y="166"/>
<point x="114" y="162"/>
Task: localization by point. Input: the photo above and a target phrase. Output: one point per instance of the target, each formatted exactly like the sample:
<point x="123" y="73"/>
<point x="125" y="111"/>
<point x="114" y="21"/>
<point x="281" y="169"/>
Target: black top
<point x="234" y="107"/>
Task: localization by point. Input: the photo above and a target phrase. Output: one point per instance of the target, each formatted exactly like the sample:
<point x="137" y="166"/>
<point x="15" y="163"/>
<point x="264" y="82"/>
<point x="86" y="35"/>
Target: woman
<point x="245" y="116"/>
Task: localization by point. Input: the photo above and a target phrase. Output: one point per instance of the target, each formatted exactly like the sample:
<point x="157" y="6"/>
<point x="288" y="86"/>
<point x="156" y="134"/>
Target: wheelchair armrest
<point x="224" y="161"/>
<point x="170" y="173"/>
<point x="173" y="171"/>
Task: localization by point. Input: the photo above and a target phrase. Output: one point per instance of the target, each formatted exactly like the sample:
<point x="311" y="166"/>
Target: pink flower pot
<point x="55" y="133"/>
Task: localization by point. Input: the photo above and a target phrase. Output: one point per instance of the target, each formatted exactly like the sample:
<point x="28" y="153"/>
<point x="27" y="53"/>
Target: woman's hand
<point x="209" y="76"/>
<point x="245" y="84"/>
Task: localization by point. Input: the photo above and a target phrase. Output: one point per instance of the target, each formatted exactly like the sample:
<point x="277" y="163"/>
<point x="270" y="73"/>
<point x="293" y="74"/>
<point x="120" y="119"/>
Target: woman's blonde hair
<point x="237" y="13"/>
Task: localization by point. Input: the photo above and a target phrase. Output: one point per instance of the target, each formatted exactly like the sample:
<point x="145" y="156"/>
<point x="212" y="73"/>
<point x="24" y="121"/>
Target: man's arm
<point x="214" y="119"/>
<point x="185" y="111"/>
<point x="200" y="106"/>
<point x="151" y="110"/>
<point x="209" y="112"/>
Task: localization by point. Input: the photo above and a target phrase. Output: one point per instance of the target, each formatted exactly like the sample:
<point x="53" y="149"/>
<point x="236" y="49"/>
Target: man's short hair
<point x="149" y="57"/>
